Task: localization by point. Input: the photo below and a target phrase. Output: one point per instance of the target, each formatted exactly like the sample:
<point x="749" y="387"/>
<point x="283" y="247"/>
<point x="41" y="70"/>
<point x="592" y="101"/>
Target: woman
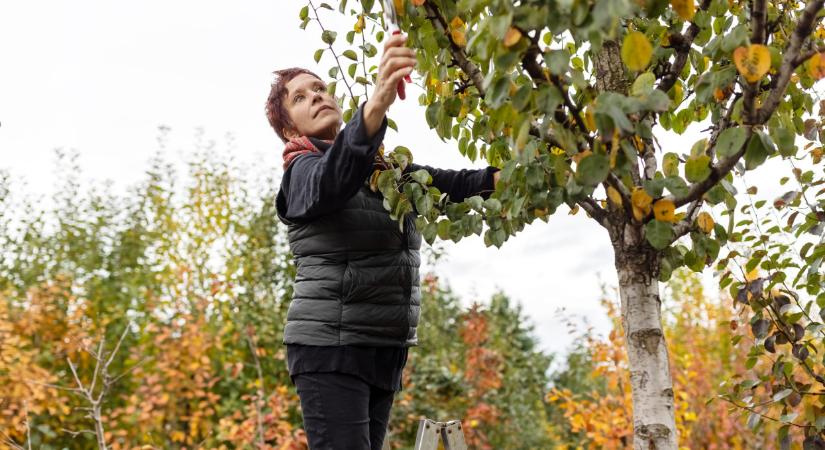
<point x="355" y="304"/>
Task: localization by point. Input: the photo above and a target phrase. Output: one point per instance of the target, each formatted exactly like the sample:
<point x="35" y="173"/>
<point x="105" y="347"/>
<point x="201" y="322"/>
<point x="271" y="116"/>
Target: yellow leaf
<point x="705" y="222"/>
<point x="512" y="37"/>
<point x="399" y="6"/>
<point x="456" y="23"/>
<point x="614" y="196"/>
<point x="752" y="275"/>
<point x="640" y="200"/>
<point x="636" y="51"/>
<point x="685" y="8"/>
<point x="753" y="62"/>
<point x="459" y="38"/>
<point x="664" y="210"/>
<point x="573" y="211"/>
<point x="359" y="25"/>
<point x="374" y="180"/>
<point x="417" y="2"/>
<point x="816" y="66"/>
<point x="589" y="119"/>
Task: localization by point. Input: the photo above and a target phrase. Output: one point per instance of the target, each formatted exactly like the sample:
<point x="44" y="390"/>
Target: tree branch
<point x="682" y="43"/>
<point x="759" y="22"/>
<point x="717" y="172"/>
<point x="596" y="212"/>
<point x="458" y="53"/>
<point x="790" y="59"/>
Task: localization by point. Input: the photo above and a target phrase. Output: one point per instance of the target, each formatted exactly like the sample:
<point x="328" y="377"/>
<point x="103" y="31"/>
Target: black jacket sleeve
<point x="318" y="183"/>
<point x="460" y="184"/>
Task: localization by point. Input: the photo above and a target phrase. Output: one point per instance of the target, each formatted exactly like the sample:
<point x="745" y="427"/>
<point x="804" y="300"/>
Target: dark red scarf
<point x="303" y="145"/>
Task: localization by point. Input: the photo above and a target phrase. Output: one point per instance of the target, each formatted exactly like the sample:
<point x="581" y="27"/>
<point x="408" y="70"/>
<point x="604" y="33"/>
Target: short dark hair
<point x="275" y="110"/>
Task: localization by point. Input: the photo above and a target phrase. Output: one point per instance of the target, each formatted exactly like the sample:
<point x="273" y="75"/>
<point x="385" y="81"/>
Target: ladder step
<point x="430" y="431"/>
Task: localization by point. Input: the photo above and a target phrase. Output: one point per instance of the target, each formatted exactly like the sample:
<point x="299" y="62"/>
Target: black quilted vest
<point x="357" y="279"/>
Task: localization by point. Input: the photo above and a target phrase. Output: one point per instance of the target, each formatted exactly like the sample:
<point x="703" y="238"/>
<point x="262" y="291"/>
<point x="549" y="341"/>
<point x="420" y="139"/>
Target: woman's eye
<point x="298" y="97"/>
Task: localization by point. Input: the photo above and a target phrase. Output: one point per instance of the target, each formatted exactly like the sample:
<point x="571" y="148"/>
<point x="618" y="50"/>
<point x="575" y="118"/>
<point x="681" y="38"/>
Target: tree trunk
<point x="637" y="265"/>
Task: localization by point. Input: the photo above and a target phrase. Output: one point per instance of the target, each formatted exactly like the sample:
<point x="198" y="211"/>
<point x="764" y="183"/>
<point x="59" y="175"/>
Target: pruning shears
<point x="391" y="22"/>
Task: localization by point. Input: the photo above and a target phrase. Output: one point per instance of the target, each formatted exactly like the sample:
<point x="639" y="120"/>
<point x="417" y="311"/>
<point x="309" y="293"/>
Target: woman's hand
<point x="397" y="62"/>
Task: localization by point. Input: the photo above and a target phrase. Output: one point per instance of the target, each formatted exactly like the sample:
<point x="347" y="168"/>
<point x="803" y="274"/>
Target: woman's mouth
<point x="321" y="109"/>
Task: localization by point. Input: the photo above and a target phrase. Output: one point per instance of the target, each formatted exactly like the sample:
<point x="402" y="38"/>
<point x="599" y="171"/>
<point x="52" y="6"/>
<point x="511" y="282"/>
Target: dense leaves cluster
<point x="574" y="100"/>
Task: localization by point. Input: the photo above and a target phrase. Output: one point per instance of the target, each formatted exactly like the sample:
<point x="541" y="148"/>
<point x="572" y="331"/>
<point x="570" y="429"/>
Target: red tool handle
<point x="402" y="91"/>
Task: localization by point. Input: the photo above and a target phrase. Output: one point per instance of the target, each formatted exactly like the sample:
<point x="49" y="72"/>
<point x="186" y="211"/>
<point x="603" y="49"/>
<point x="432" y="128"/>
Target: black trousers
<point x="342" y="411"/>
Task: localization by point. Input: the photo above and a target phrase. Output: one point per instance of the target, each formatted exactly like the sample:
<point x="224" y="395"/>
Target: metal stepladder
<point x="430" y="431"/>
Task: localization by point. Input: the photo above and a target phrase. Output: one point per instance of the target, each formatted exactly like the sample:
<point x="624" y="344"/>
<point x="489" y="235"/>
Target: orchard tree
<point x="567" y="98"/>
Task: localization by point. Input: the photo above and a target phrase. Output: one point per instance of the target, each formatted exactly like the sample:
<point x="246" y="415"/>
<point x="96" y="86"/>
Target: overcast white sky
<point x="101" y="76"/>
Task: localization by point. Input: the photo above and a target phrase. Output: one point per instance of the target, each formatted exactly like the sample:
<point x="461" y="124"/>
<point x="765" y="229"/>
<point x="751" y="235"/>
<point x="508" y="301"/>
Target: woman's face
<point x="313" y="111"/>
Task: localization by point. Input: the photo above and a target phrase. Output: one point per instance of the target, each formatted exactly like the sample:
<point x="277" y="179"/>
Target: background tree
<point x="591" y="393"/>
<point x="568" y="98"/>
<point x="193" y="272"/>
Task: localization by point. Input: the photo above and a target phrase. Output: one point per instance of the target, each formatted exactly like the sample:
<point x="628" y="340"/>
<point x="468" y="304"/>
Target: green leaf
<point x="318" y="54"/>
<point x="676" y="185"/>
<point x="351" y="55"/>
<point x="593" y="169"/>
<point x="670" y="164"/>
<point x="492" y="205"/>
<point x="759" y="148"/>
<point x="328" y="36"/>
<point x="558" y="61"/>
<point x="422" y="176"/>
<point x="476" y="202"/>
<point x="730" y="141"/>
<point x="304" y="13"/>
<point x="697" y="168"/>
<point x="659" y="234"/>
<point x="498" y="92"/>
<point x="643" y="84"/>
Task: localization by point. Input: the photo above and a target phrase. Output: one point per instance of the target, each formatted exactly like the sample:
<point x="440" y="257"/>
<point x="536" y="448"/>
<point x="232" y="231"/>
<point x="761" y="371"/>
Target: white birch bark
<point x="654" y="424"/>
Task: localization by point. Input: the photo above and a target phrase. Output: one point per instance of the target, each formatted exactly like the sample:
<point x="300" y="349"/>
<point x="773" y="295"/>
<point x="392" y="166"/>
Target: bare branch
<point x="98" y="357"/>
<point x="686" y="224"/>
<point x="596" y="212"/>
<point x="117" y="347"/>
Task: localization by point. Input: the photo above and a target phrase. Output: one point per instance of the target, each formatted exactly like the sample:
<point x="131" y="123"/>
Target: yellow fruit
<point x="664" y="210"/>
<point x="512" y="37"/>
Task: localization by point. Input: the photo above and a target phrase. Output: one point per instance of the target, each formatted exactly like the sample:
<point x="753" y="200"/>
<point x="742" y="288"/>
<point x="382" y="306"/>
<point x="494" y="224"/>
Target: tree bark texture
<point x="654" y="424"/>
